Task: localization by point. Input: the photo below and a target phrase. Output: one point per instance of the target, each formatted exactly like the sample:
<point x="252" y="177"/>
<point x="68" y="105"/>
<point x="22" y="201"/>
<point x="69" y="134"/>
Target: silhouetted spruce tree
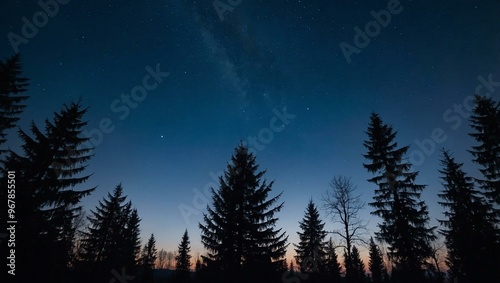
<point x="198" y="271"/>
<point x="198" y="265"/>
<point x="291" y="267"/>
<point x="149" y="254"/>
<point x="310" y="250"/>
<point x="397" y="201"/>
<point x="132" y="242"/>
<point x="147" y="260"/>
<point x="183" y="261"/>
<point x="485" y="121"/>
<point x="47" y="203"/>
<point x="332" y="265"/>
<point x="203" y="274"/>
<point x="376" y="263"/>
<point x="355" y="268"/>
<point x="111" y="241"/>
<point x="239" y="231"/>
<point x="471" y="241"/>
<point x="12" y="85"/>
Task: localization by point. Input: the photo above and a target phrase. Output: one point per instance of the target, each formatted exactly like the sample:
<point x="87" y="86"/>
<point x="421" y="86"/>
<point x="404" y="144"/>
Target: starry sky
<point x="173" y="86"/>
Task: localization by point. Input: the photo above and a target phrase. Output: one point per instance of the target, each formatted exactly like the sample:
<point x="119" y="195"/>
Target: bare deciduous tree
<point x="438" y="258"/>
<point x="343" y="206"/>
<point x="161" y="261"/>
<point x="170" y="260"/>
<point x="79" y="225"/>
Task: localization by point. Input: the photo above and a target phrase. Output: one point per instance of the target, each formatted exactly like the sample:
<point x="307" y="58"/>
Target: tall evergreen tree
<point x="48" y="203"/>
<point x="486" y="123"/>
<point x="12" y="86"/>
<point x="376" y="263"/>
<point x="183" y="260"/>
<point x="239" y="231"/>
<point x="112" y="240"/>
<point x="397" y="201"/>
<point x="310" y="250"/>
<point x="471" y="241"/>
<point x="332" y="266"/>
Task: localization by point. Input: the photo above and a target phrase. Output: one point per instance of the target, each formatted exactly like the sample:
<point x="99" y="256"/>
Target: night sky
<point x="173" y="87"/>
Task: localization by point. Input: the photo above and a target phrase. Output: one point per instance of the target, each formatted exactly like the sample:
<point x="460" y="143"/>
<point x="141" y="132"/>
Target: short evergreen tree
<point x="183" y="260"/>
<point x="355" y="268"/>
<point x="291" y="267"/>
<point x="111" y="241"/>
<point x="148" y="258"/>
<point x="202" y="273"/>
<point x="198" y="271"/>
<point x="469" y="235"/>
<point x="131" y="236"/>
<point x="332" y="265"/>
<point x="311" y="248"/>
<point x="239" y="231"/>
<point x="486" y="124"/>
<point x="198" y="265"/>
<point x="376" y="263"/>
<point x="397" y="201"/>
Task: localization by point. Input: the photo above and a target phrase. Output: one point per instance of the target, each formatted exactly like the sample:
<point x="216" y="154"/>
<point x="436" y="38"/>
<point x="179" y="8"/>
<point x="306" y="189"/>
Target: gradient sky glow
<point x="228" y="78"/>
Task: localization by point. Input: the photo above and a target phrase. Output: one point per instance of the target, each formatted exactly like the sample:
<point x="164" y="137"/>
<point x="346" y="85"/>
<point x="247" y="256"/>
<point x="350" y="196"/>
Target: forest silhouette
<point x="240" y="231"/>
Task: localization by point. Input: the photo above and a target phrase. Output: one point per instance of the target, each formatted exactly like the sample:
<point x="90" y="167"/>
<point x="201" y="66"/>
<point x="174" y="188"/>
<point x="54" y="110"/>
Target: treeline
<point x="51" y="239"/>
<point x="56" y="242"/>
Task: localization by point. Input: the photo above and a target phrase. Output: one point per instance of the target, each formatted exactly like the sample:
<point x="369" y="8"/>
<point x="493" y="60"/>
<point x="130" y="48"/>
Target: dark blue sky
<point x="229" y="78"/>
